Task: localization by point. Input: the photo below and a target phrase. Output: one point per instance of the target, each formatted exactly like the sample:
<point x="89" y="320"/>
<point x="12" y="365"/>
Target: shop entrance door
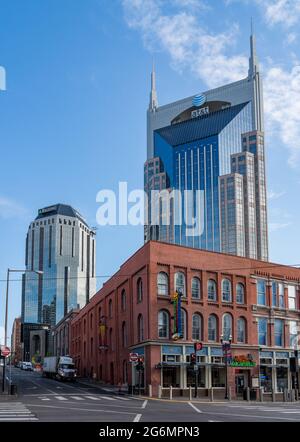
<point x="241" y="383"/>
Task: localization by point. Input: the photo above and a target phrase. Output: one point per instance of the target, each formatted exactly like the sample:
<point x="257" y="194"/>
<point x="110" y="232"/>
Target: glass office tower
<point x="196" y="144"/>
<point x="60" y="244"/>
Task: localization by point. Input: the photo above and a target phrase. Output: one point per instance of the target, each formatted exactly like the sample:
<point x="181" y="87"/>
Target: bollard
<point x="159" y="392"/>
<point x="171" y="393"/>
<point x="248" y="394"/>
<point x="285" y="395"/>
<point x="273" y="396"/>
<point x="191" y="395"/>
<point x="261" y="394"/>
<point x="211" y="394"/>
<point x="150" y="390"/>
<point x="293" y="396"/>
<point x="229" y="394"/>
<point x="297" y="395"/>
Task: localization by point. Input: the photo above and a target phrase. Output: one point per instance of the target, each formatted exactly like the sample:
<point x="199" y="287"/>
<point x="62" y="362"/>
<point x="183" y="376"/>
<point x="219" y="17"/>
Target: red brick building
<point x="255" y="304"/>
<point x="16" y="346"/>
<point x="61" y="336"/>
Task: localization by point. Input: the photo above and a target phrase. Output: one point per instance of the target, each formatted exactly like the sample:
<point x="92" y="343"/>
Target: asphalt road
<point x="41" y="399"/>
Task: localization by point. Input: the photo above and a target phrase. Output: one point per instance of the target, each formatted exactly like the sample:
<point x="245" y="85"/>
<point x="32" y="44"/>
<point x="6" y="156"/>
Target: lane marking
<point x="137" y="418"/>
<point x="19" y="419"/>
<point x="195" y="408"/>
<point x="84" y="409"/>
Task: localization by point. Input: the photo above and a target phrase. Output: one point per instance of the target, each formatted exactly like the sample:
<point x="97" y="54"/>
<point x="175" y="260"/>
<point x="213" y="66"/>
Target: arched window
<point x="226" y="291"/>
<point x="212" y="328"/>
<point x="140" y="328"/>
<point x="124" y="335"/>
<point x="241" y="331"/>
<point x="183" y="327"/>
<point x="163" y="324"/>
<point x="123" y="300"/>
<point x="196" y="288"/>
<point x="197" y="327"/>
<point x="227" y="327"/>
<point x="240" y="294"/>
<point x="111" y="341"/>
<point x="162" y="284"/>
<point x="140" y="290"/>
<point x="180" y="283"/>
<point x="110" y="309"/>
<point x="212" y="290"/>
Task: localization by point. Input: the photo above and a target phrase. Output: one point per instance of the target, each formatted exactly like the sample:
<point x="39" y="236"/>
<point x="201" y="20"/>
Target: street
<point x="46" y="400"/>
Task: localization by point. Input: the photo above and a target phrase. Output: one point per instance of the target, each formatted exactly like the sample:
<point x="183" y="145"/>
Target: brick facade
<point x="123" y="318"/>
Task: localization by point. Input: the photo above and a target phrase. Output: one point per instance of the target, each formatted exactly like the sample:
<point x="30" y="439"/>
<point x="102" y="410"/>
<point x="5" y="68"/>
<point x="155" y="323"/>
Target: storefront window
<point x="218" y="377"/>
<point x="282" y="378"/>
<point x="171" y="377"/>
<point x="191" y="377"/>
<point x="266" y="378"/>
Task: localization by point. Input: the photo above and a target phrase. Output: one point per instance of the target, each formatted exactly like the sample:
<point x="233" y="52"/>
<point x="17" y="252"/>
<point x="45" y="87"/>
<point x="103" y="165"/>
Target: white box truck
<point x="61" y="368"/>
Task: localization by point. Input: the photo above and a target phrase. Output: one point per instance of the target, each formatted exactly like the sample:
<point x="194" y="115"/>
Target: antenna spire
<point x="153" y="95"/>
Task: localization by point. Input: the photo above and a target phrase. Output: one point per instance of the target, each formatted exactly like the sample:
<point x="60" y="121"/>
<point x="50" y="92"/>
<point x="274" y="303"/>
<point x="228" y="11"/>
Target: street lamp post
<point x="226" y="346"/>
<point x="9" y="271"/>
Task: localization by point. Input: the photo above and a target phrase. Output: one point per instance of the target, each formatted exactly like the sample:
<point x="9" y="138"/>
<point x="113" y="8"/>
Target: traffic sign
<point x="133" y="357"/>
<point x="5" y="351"/>
<point x="198" y="346"/>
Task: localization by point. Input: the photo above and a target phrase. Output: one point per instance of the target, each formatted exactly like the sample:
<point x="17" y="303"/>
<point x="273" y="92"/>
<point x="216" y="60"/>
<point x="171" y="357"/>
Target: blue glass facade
<point x="194" y="154"/>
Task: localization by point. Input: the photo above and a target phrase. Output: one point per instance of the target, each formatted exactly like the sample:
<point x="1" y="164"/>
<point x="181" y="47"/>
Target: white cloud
<point x="274" y="227"/>
<point x="188" y="44"/>
<point x="11" y="209"/>
<point x="282" y="106"/>
<point x="283" y="12"/>
<point x="180" y="34"/>
<point x="275" y="195"/>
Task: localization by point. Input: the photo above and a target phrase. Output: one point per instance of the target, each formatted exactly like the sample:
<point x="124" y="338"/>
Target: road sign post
<point x="5" y="352"/>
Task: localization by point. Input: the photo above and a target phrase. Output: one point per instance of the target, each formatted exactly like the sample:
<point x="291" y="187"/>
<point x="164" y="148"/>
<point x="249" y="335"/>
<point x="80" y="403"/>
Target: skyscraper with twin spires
<point x="212" y="142"/>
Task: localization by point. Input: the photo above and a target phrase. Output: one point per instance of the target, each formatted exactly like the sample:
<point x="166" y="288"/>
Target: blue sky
<point x="73" y="115"/>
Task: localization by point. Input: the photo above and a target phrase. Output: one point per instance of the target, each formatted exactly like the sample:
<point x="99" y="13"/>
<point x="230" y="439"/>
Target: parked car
<point x="26" y="366"/>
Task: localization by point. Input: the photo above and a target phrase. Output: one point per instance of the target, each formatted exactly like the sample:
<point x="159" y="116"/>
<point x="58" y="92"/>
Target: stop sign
<point x="5" y="352"/>
<point x="133" y="357"/>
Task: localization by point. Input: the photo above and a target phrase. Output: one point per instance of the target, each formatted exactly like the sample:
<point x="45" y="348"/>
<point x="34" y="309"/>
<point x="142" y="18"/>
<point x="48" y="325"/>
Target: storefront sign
<point x="242" y="361"/>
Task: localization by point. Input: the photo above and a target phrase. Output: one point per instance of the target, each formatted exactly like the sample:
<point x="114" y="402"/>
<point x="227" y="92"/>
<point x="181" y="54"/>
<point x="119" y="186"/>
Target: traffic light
<point x="193" y="359"/>
<point x="140" y="364"/>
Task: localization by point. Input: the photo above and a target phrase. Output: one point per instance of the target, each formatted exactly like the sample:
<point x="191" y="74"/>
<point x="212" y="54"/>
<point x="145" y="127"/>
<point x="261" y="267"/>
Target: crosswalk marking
<point x="77" y="398"/>
<point x="122" y="398"/>
<point x="83" y="398"/>
<point x="93" y="398"/>
<point x="61" y="398"/>
<point x="15" y="411"/>
<point x="107" y="398"/>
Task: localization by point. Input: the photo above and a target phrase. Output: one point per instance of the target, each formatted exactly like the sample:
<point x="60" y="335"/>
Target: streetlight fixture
<point x="9" y="271"/>
<point x="226" y="347"/>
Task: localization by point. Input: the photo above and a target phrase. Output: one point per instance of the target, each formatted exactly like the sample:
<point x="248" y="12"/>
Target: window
<point x="261" y="292"/>
<point x="180" y="283"/>
<point x="162" y="284"/>
<point x="274" y="294"/>
<point x="212" y="290"/>
<point x="241" y="331"/>
<point x="262" y="331"/>
<point x="140" y="290"/>
<point x="240" y="294"/>
<point x="279" y="329"/>
<point x="292" y="297"/>
<point x="140" y="328"/>
<point x="163" y="324"/>
<point x="227" y="327"/>
<point x="123" y="300"/>
<point x="226" y="291"/>
<point x="197" y="327"/>
<point x="293" y="334"/>
<point x="281" y="295"/>
<point x="110" y="309"/>
<point x="183" y="324"/>
<point x="196" y="293"/>
<point x="212" y="328"/>
<point x="124" y="335"/>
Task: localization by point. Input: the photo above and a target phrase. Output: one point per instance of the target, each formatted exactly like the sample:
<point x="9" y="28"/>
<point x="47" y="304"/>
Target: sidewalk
<point x="106" y="387"/>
